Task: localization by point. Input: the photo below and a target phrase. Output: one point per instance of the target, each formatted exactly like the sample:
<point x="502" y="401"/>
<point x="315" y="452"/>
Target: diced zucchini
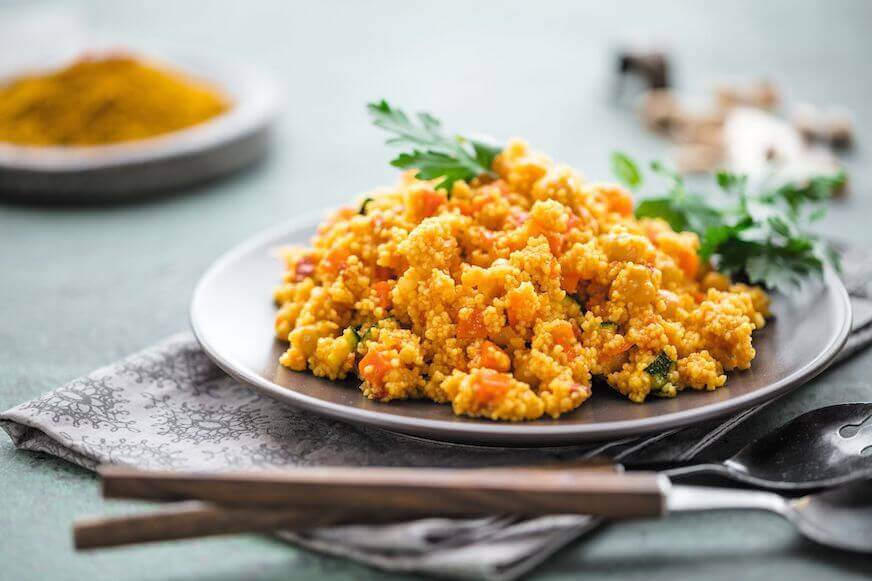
<point x="363" y="334"/>
<point x="659" y="371"/>
<point x="351" y="337"/>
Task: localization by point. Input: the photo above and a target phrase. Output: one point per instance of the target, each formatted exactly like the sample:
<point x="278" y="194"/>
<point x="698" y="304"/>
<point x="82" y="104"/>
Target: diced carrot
<point x="570" y="282"/>
<point x="430" y="202"/>
<point x="383" y="292"/>
<point x="563" y="335"/>
<point x="652" y="232"/>
<point x="513" y="310"/>
<point x="620" y="201"/>
<point x="555" y="242"/>
<point x="472" y="327"/>
<point x="490" y="386"/>
<point x="521" y="308"/>
<point x="335" y="260"/>
<point x="688" y="261"/>
<point x="464" y="207"/>
<point x="493" y="357"/>
<point x="373" y="367"/>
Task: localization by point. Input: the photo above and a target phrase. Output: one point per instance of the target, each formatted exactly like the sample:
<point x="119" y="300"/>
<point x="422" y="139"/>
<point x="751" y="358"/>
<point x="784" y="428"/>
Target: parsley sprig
<point x="761" y="237"/>
<point x="433" y="153"/>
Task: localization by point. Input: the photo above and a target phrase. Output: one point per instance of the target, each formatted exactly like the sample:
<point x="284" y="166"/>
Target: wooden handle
<point x="422" y="491"/>
<point x="195" y="519"/>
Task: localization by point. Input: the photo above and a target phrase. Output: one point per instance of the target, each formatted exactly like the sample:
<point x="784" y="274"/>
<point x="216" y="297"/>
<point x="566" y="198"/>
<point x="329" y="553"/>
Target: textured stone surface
<point x="81" y="287"/>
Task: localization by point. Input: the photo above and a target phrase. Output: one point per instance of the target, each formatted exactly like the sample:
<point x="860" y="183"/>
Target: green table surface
<point x="83" y="286"/>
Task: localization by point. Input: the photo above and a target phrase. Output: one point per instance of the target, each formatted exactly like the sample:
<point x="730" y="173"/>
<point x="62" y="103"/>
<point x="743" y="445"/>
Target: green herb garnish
<point x="608" y="324"/>
<point x="363" y="206"/>
<point x="762" y="236"/>
<point x="659" y="370"/>
<point x="683" y="210"/>
<point x="626" y="170"/>
<point x="434" y="154"/>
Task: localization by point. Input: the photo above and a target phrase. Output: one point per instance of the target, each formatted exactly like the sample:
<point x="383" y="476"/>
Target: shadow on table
<point x="594" y="554"/>
<point x="152" y="196"/>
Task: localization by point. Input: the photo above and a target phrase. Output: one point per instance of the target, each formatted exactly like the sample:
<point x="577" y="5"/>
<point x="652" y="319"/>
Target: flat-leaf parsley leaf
<point x="759" y="237"/>
<point x="434" y="154"/>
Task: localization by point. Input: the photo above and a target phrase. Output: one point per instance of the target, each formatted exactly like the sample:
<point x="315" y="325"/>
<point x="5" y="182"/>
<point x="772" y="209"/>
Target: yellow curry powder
<point x="103" y="100"/>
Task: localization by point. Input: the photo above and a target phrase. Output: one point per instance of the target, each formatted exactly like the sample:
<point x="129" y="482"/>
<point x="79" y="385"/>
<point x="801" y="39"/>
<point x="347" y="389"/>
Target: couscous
<point x="508" y="296"/>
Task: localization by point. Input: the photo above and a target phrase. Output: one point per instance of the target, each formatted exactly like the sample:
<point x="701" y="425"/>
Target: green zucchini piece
<point x="659" y="370"/>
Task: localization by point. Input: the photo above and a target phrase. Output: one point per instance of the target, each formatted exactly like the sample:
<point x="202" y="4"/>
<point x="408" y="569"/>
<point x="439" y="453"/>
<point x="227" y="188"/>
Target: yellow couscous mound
<point x="506" y="297"/>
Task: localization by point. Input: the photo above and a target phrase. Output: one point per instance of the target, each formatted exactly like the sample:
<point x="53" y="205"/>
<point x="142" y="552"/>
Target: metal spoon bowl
<point x="822" y="448"/>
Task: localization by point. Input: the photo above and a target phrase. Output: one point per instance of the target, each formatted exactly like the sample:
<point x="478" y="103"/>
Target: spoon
<point x="299" y="498"/>
<point x="822" y="448"/>
<point x="840" y="518"/>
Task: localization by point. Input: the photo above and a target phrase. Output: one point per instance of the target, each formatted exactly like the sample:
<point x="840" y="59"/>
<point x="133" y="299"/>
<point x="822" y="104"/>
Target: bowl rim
<point x="254" y="96"/>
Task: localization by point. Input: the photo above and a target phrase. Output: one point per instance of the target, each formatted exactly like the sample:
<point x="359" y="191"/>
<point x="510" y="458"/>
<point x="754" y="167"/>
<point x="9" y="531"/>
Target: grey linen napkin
<point x="169" y="407"/>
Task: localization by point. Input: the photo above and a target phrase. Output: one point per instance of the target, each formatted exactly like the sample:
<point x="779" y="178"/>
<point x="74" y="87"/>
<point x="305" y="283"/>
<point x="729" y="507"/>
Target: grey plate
<point x="219" y="146"/>
<point x="232" y="316"/>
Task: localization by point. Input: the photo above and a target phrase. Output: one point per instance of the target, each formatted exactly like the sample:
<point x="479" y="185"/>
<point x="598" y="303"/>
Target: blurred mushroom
<point x="768" y="149"/>
<point x="651" y="66"/>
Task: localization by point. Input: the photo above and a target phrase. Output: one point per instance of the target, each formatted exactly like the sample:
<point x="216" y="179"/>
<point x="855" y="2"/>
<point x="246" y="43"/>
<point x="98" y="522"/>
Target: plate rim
<point x="499" y="433"/>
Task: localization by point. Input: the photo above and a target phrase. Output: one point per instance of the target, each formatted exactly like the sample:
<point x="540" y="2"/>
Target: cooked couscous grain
<point x="505" y="298"/>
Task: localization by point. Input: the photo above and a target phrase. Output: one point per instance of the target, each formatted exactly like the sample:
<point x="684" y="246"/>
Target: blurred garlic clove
<point x="770" y="150"/>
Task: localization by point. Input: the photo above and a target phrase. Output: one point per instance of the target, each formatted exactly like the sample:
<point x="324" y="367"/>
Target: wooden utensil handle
<point x="434" y="491"/>
<point x="196" y="519"/>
